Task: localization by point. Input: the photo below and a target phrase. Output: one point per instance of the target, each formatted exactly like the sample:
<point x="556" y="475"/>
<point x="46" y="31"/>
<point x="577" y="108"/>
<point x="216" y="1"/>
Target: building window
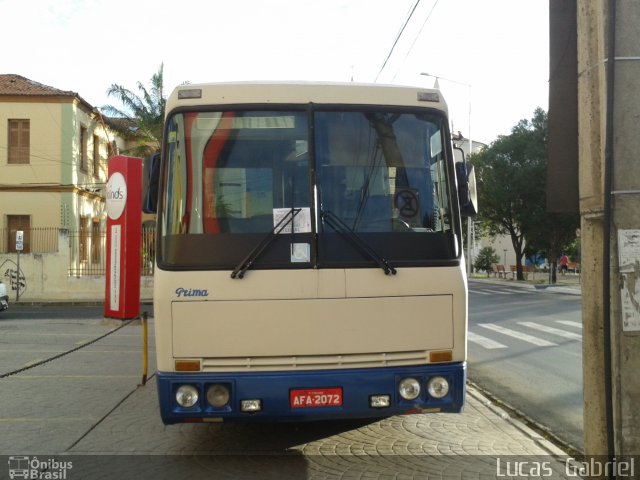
<point x="19" y="139"/>
<point x="96" y="155"/>
<point x="83" y="149"/>
<point x="112" y="149"/>
<point x="96" y="241"/>
<point x="84" y="239"/>
<point x="15" y="223"/>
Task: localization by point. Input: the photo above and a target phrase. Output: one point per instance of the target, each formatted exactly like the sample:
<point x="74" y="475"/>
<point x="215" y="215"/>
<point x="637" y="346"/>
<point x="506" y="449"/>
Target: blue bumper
<point x="274" y="390"/>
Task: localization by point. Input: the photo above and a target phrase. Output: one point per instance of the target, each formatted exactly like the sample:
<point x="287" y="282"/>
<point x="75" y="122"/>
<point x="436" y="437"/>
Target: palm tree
<point x="142" y="116"/>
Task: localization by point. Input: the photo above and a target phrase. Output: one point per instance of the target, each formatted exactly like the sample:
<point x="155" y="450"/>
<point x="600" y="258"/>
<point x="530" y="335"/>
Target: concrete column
<point x="593" y="42"/>
<point x="626" y="215"/>
<point x="591" y="128"/>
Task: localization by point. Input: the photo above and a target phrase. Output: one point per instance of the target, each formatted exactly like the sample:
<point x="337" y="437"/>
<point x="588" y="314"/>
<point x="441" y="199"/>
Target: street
<point x="525" y="349"/>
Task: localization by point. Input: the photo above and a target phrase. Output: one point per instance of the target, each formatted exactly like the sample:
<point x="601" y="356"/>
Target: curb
<point x="64" y="303"/>
<point x="577" y="290"/>
<point x="559" y="289"/>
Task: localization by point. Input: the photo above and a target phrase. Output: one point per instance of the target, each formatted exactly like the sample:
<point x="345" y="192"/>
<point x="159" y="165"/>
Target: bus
<point x="309" y="253"/>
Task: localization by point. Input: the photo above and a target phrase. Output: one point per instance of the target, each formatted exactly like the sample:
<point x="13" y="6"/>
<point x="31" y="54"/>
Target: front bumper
<point x="273" y="390"/>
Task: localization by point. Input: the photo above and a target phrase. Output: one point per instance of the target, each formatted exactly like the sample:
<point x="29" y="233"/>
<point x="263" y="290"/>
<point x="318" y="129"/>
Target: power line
<point x="395" y="42"/>
<point x="416" y="37"/>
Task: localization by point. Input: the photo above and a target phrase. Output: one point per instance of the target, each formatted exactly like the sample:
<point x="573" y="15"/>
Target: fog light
<point x="438" y="387"/>
<point x="218" y="396"/>
<point x="379" y="401"/>
<point x="251" y="405"/>
<point x="409" y="388"/>
<point x="187" y="396"/>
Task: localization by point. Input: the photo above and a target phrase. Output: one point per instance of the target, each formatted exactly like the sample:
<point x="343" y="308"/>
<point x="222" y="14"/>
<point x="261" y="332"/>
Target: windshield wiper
<point x="343" y="229"/>
<point x="246" y="263"/>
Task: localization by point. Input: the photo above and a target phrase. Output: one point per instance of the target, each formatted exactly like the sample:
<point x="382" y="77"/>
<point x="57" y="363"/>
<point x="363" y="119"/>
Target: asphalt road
<point x="525" y="349"/>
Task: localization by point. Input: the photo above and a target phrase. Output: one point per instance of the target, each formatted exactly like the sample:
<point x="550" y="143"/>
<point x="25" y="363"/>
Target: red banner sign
<point x="124" y="238"/>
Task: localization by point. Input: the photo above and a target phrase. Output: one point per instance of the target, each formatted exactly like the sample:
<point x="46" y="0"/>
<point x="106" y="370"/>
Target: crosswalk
<point x="528" y="332"/>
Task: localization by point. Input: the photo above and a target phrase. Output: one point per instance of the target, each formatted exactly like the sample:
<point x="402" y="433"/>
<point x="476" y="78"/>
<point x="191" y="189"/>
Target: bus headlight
<point x="409" y="388"/>
<point x="438" y="387"/>
<point x="218" y="396"/>
<point x="187" y="396"/>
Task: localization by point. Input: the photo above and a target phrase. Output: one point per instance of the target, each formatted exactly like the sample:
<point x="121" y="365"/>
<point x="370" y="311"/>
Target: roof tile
<point x="11" y="84"/>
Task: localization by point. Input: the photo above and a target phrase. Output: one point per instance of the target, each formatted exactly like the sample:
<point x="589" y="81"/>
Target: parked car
<point x="4" y="298"/>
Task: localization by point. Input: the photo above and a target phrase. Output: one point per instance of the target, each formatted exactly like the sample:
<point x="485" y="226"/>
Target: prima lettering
<point x="191" y="292"/>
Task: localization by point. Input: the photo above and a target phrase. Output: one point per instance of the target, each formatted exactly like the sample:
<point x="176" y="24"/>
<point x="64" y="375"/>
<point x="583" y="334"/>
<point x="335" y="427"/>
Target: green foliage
<point x="486" y="257"/>
<point x="142" y="117"/>
<point x="511" y="176"/>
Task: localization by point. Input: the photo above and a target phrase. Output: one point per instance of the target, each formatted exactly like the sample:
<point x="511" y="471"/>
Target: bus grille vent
<point x="314" y="362"/>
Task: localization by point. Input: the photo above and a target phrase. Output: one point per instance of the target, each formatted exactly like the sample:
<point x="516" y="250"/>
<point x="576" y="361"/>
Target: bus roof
<point x="258" y="93"/>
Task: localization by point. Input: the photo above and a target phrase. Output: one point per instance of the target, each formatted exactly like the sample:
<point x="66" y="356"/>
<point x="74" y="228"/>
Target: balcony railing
<point x="36" y="240"/>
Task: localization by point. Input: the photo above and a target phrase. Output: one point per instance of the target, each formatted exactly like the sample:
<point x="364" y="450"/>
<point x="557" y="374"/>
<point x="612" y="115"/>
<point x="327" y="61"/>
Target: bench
<point x="573" y="267"/>
<point x="498" y="271"/>
<point x="526" y="270"/>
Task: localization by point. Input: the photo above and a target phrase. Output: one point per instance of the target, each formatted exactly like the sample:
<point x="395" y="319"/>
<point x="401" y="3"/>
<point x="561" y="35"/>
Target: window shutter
<point x="19" y="140"/>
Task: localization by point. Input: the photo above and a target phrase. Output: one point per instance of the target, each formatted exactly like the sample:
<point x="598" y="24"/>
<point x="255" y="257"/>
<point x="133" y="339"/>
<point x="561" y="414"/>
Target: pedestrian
<point x="564" y="264"/>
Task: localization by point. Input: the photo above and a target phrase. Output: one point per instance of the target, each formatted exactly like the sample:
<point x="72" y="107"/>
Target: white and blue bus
<point x="309" y="256"/>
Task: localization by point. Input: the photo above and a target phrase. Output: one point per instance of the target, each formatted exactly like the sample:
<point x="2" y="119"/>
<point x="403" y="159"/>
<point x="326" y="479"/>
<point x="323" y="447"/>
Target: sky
<point x="491" y="56"/>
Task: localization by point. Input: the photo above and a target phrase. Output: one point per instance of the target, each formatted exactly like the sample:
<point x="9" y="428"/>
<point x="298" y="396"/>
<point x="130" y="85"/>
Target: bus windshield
<point x="231" y="176"/>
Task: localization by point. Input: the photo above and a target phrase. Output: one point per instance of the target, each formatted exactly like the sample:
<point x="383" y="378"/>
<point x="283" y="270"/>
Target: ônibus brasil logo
<point x="27" y="467"/>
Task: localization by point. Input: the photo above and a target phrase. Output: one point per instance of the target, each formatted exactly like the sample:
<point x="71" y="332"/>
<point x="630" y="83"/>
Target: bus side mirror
<point x="467" y="193"/>
<point x="151" y="178"/>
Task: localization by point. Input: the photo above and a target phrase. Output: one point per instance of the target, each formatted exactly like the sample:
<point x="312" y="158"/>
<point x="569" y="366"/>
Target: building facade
<point x="53" y="166"/>
<point x="54" y="149"/>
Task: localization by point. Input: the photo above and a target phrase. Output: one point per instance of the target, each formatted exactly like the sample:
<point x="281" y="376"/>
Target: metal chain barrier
<point x="60" y="355"/>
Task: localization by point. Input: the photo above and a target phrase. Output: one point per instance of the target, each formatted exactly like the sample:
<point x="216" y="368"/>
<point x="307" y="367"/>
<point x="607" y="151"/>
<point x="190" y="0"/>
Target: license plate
<point x="316" y="397"/>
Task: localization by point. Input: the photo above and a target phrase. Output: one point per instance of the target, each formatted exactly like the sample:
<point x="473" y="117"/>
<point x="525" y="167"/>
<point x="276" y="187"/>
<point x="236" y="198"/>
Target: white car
<point x="4" y="298"/>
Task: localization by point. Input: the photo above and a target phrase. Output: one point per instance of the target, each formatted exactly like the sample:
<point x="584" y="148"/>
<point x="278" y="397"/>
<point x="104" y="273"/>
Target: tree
<point x="508" y="173"/>
<point x="485" y="259"/>
<point x="511" y="176"/>
<point x="555" y="235"/>
<point x="141" y="116"/>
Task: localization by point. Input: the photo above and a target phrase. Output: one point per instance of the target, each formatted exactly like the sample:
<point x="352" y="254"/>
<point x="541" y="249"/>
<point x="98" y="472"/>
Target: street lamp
<point x="469" y="222"/>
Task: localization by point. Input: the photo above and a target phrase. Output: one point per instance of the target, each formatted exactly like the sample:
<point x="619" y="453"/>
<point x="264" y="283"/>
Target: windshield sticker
<point x="301" y="222"/>
<point x="300" y="253"/>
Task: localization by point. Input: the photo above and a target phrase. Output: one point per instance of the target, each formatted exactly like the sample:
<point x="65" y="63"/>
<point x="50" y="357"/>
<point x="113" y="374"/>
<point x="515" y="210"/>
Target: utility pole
<point x="19" y="248"/>
<point x="608" y="113"/>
